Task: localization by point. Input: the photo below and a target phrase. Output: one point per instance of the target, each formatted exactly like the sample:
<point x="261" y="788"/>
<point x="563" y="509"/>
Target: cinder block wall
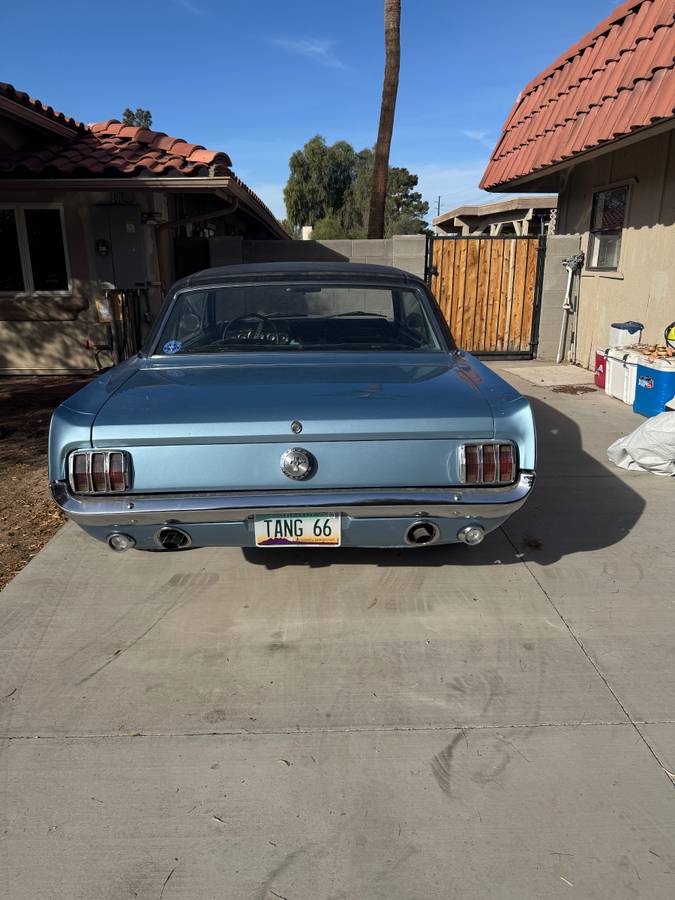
<point x="558" y="247"/>
<point x="405" y="251"/>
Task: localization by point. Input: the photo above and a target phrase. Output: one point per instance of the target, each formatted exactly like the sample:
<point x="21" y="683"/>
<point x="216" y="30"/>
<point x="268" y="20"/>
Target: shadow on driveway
<point x="577" y="505"/>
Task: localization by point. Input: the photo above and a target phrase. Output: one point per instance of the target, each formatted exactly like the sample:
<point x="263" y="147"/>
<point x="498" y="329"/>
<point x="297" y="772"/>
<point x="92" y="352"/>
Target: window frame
<point x="610" y="271"/>
<point x="24" y="251"/>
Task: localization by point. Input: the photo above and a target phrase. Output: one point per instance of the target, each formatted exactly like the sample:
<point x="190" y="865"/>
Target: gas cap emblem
<point x="297" y="463"/>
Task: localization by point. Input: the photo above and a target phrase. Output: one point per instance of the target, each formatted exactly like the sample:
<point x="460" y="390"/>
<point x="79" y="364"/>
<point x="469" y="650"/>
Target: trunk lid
<point x="223" y="424"/>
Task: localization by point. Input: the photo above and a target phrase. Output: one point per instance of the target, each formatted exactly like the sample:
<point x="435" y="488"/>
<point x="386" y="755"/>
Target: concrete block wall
<point x="405" y="251"/>
<point x="558" y="247"/>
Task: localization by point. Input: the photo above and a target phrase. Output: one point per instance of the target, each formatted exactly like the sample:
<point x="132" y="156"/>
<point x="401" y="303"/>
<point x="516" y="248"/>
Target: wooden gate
<point x="489" y="290"/>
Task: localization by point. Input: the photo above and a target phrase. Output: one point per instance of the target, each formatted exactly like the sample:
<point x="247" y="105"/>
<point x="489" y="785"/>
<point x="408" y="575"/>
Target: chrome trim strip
<point x="90" y="479"/>
<point x="235" y="506"/>
<point x="106" y="471"/>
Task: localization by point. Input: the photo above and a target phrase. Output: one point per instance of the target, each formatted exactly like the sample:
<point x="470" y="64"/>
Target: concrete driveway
<point x="442" y="723"/>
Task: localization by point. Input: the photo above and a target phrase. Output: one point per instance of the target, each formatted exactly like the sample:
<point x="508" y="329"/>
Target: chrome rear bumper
<point x="233" y="506"/>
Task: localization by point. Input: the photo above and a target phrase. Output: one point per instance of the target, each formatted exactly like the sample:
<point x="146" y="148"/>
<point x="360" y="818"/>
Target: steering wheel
<point x="264" y="322"/>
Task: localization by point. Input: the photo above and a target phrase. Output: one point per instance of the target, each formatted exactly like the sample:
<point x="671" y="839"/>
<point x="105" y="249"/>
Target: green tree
<point x="316" y="186"/>
<point x="404" y="210"/>
<point x="319" y="178"/>
<point x="142" y="118"/>
<point x="293" y="230"/>
<point x="331" y="227"/>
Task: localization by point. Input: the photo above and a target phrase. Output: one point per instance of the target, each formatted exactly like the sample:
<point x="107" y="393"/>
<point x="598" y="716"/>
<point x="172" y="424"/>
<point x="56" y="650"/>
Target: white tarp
<point x="650" y="448"/>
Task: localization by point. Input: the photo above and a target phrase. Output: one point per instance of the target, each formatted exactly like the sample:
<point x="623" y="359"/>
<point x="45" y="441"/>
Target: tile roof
<point x="22" y="99"/>
<point x="618" y="78"/>
<point x="112" y="149"/>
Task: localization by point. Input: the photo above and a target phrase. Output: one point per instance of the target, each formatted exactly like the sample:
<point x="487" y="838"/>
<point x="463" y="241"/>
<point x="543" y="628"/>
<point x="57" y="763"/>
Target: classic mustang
<point x="310" y="404"/>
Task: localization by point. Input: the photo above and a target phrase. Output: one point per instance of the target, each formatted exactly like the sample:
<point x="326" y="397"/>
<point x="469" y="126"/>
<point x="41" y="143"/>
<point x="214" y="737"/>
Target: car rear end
<point x="385" y="447"/>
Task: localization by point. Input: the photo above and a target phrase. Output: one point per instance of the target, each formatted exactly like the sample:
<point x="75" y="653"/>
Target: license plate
<point x="290" y="530"/>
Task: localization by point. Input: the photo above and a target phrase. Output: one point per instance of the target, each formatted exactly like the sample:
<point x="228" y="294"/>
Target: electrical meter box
<point x="119" y="246"/>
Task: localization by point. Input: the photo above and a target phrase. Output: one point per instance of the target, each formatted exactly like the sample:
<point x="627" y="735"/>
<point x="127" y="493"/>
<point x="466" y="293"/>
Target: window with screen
<point x="607" y="221"/>
<point x="33" y="253"/>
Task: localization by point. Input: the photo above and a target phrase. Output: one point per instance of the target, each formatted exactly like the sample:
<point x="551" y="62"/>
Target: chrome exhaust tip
<point x="422" y="533"/>
<point x="471" y="535"/>
<point x="120" y="542"/>
<point x="170" y="538"/>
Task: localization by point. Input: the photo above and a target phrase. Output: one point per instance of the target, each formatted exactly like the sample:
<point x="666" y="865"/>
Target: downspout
<point x="572" y="264"/>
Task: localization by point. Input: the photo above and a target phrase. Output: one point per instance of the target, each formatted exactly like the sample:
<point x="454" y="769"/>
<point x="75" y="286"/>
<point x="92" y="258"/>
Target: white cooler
<point x="634" y="358"/>
<point x="621" y="373"/>
<point x="622" y="334"/>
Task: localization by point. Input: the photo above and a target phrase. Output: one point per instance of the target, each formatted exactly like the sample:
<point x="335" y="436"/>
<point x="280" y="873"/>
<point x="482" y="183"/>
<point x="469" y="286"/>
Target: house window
<point x="32" y="250"/>
<point x="607" y="220"/>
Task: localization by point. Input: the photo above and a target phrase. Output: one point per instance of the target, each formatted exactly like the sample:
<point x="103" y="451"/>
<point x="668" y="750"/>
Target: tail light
<point x="488" y="463"/>
<point x="99" y="471"/>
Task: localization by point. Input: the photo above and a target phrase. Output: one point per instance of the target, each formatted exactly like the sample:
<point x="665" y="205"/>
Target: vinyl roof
<point x="270" y="270"/>
<point x="617" y="79"/>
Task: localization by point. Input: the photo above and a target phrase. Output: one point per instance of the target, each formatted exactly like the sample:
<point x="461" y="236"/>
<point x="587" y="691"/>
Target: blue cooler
<point x="655" y="387"/>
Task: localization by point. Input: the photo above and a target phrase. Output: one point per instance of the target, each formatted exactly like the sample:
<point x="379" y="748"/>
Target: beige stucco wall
<point x="643" y="288"/>
<point x="45" y="335"/>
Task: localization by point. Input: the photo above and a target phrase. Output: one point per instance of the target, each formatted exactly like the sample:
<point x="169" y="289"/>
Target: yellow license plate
<point x="290" y="530"/>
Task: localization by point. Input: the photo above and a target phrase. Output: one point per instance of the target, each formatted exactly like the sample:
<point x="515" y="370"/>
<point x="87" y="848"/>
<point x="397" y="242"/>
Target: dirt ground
<point x="28" y="518"/>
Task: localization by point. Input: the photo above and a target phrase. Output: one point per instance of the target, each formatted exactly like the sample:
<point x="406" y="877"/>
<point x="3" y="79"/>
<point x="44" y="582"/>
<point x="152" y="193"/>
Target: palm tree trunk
<point x="392" y="45"/>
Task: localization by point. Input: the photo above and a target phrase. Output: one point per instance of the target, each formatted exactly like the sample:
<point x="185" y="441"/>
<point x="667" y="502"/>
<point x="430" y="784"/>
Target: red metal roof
<point x="618" y="78"/>
<point x="112" y="149"/>
<point x="23" y="99"/>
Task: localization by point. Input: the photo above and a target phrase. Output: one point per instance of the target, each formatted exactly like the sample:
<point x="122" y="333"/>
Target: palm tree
<point x="392" y="46"/>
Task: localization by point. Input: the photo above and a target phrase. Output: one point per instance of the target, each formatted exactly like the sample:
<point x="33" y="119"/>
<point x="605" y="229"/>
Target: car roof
<point x="272" y="270"/>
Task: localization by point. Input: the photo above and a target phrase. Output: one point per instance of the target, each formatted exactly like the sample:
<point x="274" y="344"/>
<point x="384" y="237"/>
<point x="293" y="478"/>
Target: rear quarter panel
<point x="72" y="421"/>
<point x="512" y="412"/>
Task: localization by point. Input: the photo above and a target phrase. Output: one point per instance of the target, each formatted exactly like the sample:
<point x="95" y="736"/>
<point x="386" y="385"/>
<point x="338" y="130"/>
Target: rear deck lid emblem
<point x="297" y="463"/>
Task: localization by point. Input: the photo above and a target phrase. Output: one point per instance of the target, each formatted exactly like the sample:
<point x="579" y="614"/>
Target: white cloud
<point x="481" y="137"/>
<point x="315" y="49"/>
<point x="272" y="195"/>
<point x="456" y="185"/>
<point x="190" y="7"/>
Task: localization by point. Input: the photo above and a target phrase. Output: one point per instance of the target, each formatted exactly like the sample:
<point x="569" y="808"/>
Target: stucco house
<point x="597" y="127"/>
<point x="104" y="212"/>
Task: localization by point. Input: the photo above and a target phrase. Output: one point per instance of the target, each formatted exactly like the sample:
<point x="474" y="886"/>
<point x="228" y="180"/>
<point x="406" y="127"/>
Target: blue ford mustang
<point x="297" y="404"/>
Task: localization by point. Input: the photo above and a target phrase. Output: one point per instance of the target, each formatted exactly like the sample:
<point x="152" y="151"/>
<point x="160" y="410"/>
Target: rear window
<point x="297" y="317"/>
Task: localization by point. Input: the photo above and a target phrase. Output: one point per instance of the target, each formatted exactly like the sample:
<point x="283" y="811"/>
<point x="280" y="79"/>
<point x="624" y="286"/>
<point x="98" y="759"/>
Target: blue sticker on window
<point x="172" y="346"/>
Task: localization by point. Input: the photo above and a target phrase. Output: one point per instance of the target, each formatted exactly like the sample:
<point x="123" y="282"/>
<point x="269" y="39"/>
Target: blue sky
<point x="258" y="79"/>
